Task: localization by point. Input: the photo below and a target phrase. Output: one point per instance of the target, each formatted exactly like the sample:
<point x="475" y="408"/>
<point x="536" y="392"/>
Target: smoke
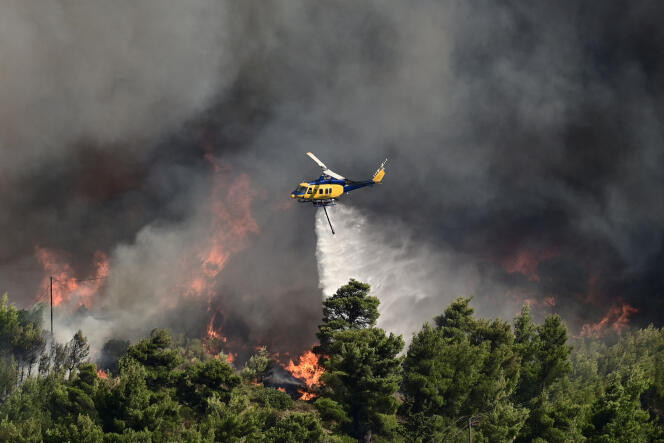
<point x="524" y="143"/>
<point x="415" y="281"/>
<point x="116" y="75"/>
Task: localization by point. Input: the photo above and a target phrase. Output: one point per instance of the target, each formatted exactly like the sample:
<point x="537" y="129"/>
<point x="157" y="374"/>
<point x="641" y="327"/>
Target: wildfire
<point x="617" y="318"/>
<point x="527" y="261"/>
<point x="231" y="222"/>
<point x="101" y="373"/>
<point x="306" y="395"/>
<point x="211" y="333"/>
<point x="65" y="285"/>
<point x="308" y="370"/>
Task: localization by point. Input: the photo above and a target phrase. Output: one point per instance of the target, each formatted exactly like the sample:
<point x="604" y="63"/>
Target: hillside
<point x="512" y="381"/>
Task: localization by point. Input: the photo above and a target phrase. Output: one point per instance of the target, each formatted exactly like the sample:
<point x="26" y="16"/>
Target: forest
<point x="500" y="380"/>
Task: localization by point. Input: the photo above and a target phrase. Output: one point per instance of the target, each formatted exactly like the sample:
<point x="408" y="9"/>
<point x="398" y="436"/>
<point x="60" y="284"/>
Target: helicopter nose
<point x="292" y="196"/>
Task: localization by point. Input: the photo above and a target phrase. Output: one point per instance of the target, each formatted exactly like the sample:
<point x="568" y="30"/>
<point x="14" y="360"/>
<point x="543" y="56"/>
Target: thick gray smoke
<point x="115" y="75"/>
<point x="525" y="146"/>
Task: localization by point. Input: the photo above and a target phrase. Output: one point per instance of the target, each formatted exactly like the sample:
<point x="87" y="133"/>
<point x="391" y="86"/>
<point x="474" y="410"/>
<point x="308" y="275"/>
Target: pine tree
<point x="197" y="384"/>
<point x="525" y="336"/>
<point x="78" y="351"/>
<point x="617" y="414"/>
<point x="363" y="371"/>
<point x="158" y="358"/>
<point x="350" y="307"/>
<point x="545" y="367"/>
<point x="464" y="367"/>
<point x="257" y="366"/>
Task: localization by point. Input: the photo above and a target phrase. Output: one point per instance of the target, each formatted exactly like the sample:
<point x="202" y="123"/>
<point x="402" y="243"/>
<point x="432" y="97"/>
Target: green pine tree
<point x="362" y="367"/>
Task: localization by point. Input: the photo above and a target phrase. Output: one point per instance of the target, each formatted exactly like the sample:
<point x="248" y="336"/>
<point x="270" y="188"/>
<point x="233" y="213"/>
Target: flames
<point x="66" y="287"/>
<point x="307" y="370"/>
<point x="101" y="373"/>
<point x="224" y="223"/>
<point x="527" y="261"/>
<point x="231" y="222"/>
<point x="211" y="333"/>
<point x="616" y="319"/>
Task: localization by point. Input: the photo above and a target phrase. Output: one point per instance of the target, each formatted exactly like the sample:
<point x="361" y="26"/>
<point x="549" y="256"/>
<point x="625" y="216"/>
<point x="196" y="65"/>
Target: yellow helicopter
<point x="325" y="190"/>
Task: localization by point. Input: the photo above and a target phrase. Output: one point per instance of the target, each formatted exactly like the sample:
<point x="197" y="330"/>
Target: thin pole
<point x="328" y="219"/>
<point x="51" y="307"/>
<point x="470" y="429"/>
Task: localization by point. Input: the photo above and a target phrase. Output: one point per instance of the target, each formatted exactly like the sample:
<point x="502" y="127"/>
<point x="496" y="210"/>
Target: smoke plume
<point x="525" y="145"/>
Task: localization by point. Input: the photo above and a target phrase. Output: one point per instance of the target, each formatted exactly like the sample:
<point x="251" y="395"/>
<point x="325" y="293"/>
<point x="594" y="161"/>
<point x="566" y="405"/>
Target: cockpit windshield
<point x="300" y="190"/>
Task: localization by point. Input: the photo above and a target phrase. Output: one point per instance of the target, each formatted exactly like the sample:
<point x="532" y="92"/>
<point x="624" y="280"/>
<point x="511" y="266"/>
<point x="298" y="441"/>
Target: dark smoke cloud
<point x="510" y="127"/>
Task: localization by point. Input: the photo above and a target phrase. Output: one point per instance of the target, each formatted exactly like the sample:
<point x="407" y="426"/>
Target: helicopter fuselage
<point x="326" y="188"/>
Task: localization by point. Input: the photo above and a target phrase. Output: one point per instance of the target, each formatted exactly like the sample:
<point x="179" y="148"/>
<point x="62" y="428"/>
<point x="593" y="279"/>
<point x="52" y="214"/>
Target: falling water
<point x="413" y="282"/>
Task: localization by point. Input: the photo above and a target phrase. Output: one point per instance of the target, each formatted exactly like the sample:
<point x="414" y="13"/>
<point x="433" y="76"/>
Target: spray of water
<point x="413" y="282"/>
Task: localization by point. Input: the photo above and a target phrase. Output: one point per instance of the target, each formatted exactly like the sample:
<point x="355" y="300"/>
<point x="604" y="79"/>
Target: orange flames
<point x="211" y="333"/>
<point x="527" y="261"/>
<point x="231" y="222"/>
<point x="101" y="373"/>
<point x="617" y="318"/>
<point x="65" y="286"/>
<point x="308" y="370"/>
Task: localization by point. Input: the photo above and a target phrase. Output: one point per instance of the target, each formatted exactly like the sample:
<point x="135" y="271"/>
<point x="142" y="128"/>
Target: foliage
<point x="514" y="382"/>
<point x="295" y="427"/>
<point x="545" y="363"/>
<point x="362" y="369"/>
<point x="617" y="414"/>
<point x="258" y="365"/>
<point x="203" y="379"/>
<point x="273" y="398"/>
<point x="158" y="358"/>
<point x="350" y="307"/>
<point x="464" y="367"/>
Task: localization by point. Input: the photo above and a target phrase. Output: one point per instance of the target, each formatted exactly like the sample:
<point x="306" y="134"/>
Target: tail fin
<point x="380" y="173"/>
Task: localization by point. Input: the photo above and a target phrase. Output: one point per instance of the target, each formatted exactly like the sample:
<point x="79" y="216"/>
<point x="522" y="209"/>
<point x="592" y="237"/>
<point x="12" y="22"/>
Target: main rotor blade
<point x="325" y="170"/>
<point x="314" y="158"/>
<point x="333" y="174"/>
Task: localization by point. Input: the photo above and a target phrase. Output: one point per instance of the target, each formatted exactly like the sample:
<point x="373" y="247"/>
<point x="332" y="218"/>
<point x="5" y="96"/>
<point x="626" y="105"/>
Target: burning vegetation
<point x="228" y="226"/>
<point x="616" y="319"/>
<point x="526" y="262"/>
<point x="364" y="384"/>
<point x="66" y="287"/>
<point x="307" y="370"/>
<point x="360" y="362"/>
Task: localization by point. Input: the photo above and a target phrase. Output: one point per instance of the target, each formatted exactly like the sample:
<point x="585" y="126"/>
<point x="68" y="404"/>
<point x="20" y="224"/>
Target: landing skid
<point x="328" y="202"/>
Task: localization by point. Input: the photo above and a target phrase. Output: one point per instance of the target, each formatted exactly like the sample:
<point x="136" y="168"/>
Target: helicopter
<point x="325" y="190"/>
